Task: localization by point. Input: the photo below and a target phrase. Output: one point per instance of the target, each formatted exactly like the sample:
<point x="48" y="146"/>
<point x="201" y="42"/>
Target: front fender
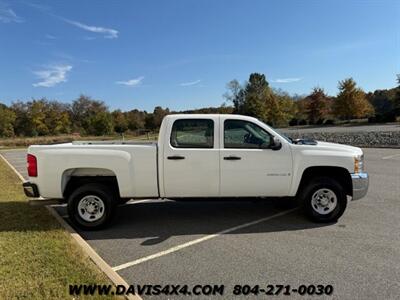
<point x="305" y="159"/>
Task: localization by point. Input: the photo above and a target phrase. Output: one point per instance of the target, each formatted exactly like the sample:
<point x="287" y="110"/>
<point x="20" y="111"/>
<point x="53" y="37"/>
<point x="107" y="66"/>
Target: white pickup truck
<point x="197" y="156"/>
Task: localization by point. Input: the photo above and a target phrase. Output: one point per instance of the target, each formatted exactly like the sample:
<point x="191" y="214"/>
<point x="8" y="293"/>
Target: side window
<point x="244" y="134"/>
<point x="192" y="133"/>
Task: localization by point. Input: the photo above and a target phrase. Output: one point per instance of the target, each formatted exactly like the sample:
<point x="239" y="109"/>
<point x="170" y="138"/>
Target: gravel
<point x="361" y="136"/>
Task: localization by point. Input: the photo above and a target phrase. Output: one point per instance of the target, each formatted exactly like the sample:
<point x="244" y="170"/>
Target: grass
<point x="38" y="258"/>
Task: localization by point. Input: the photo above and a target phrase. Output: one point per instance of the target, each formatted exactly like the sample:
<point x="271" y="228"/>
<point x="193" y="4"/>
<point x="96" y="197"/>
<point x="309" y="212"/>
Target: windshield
<point x="290" y="140"/>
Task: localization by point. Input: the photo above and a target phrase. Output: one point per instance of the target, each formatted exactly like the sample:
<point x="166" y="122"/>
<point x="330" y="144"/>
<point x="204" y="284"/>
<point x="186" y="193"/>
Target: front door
<point x="191" y="159"/>
<point x="249" y="168"/>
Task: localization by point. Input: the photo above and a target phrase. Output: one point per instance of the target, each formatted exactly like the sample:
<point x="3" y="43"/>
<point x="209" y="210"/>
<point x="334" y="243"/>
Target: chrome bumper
<point x="360" y="185"/>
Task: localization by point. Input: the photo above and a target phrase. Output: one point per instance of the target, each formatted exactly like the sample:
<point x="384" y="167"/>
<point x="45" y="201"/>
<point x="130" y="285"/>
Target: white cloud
<point x="107" y="32"/>
<point x="7" y="15"/>
<point x="190" y="83"/>
<point x="287" y="80"/>
<point x="131" y="82"/>
<point x="52" y="75"/>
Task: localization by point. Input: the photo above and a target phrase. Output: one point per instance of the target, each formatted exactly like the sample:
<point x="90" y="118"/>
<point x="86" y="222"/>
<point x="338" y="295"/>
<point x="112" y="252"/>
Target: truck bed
<point x="115" y="142"/>
<point x="133" y="163"/>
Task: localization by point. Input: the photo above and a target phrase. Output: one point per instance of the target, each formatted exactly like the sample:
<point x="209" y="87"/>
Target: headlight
<point x="359" y="164"/>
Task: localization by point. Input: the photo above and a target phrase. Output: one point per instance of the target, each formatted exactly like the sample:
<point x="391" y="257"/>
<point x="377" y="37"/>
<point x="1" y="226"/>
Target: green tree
<point x="273" y="114"/>
<point x="119" y="121"/>
<point x="317" y="105"/>
<point x="149" y="122"/>
<point x="7" y="120"/>
<point x="158" y="115"/>
<point x="258" y="95"/>
<point x="224" y="109"/>
<point x="100" y="123"/>
<point x="23" y="125"/>
<point x="89" y="116"/>
<point x="37" y="115"/>
<point x="351" y="102"/>
<point x="153" y="120"/>
<point x="58" y="117"/>
<point x="287" y="108"/>
<point x="258" y="100"/>
<point x="235" y="94"/>
<point x="300" y="115"/>
<point x="396" y="101"/>
<point x="383" y="103"/>
<point x="135" y="119"/>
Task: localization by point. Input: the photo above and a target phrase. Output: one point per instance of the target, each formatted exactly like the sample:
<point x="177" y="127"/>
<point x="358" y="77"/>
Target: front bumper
<point x="360" y="185"/>
<point x="31" y="189"/>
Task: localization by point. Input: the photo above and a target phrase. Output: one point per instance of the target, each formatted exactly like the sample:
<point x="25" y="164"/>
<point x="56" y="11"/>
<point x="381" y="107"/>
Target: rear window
<point x="192" y="133"/>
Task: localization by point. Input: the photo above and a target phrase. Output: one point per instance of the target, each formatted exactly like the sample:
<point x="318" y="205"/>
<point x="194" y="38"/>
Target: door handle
<point x="176" y="157"/>
<point x="232" y="158"/>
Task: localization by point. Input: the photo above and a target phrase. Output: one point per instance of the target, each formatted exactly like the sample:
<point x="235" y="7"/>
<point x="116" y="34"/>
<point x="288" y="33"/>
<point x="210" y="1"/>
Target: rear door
<point x="249" y="168"/>
<point x="191" y="158"/>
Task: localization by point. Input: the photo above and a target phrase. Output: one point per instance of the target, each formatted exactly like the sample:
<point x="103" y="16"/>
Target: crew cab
<point x="200" y="156"/>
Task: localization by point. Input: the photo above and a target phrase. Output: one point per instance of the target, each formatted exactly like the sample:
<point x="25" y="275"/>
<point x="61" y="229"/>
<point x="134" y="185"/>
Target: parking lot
<point x="259" y="242"/>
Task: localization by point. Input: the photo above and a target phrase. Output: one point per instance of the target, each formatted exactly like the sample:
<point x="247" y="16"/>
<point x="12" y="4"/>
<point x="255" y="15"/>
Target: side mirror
<point x="276" y="144"/>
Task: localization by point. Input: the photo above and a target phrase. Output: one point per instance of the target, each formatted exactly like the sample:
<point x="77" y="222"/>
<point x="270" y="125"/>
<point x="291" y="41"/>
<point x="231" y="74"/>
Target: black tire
<point x="108" y="199"/>
<point x="324" y="184"/>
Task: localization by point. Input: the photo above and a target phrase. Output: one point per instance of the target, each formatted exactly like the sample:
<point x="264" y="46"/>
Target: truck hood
<point x="337" y="147"/>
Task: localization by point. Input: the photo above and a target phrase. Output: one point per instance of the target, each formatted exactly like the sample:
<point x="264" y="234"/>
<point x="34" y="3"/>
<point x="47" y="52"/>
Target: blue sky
<point x="181" y="54"/>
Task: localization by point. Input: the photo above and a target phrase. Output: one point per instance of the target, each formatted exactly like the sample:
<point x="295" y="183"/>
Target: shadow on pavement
<point x="156" y="221"/>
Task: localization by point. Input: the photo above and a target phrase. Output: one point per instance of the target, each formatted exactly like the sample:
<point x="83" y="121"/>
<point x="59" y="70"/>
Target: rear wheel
<point x="324" y="199"/>
<point x="91" y="206"/>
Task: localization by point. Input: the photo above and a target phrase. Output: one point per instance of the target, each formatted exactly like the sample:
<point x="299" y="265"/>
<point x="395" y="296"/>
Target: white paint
<point x="198" y="174"/>
<point x="254" y="175"/>
<point x="133" y="164"/>
<point x="197" y="241"/>
<point x="140" y="173"/>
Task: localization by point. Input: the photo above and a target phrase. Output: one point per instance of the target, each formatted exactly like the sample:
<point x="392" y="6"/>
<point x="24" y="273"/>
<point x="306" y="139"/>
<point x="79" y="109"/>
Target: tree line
<point x="256" y="98"/>
<point x="87" y="116"/>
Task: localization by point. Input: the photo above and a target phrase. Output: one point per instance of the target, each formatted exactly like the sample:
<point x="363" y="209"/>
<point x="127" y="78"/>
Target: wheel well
<point x="342" y="175"/>
<point x="76" y="181"/>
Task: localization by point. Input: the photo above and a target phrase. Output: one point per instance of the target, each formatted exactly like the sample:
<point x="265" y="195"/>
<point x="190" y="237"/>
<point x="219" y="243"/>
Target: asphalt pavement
<point x="260" y="242"/>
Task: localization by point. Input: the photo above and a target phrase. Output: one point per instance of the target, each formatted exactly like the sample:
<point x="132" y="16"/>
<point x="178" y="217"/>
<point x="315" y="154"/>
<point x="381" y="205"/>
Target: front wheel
<point x="324" y="200"/>
<point x="91" y="206"/>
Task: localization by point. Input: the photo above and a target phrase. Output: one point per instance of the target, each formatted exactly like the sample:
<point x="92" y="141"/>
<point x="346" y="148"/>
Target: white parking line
<point x="199" y="240"/>
<point x="391" y="156"/>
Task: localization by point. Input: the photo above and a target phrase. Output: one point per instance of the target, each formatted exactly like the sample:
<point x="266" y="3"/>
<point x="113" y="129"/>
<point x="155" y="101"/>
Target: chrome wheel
<point x="324" y="201"/>
<point x="91" y="208"/>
